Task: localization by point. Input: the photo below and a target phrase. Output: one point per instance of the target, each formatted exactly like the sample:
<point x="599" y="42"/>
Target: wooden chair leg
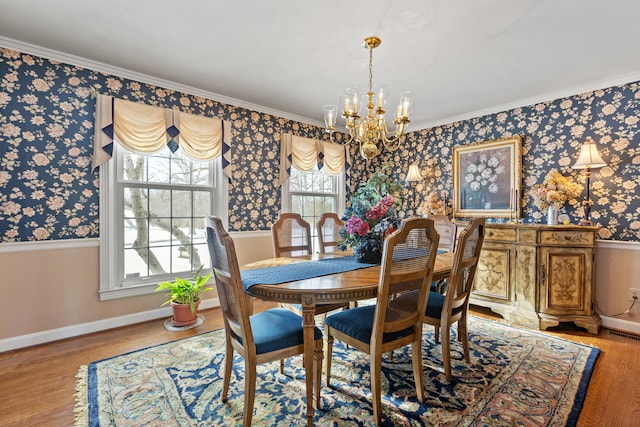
<point x="328" y="349"/>
<point x="463" y="335"/>
<point x="418" y="375"/>
<point x="436" y="333"/>
<point x="317" y="371"/>
<point x="446" y="352"/>
<point x="376" y="387"/>
<point x="282" y="366"/>
<point x="228" y="369"/>
<point x="249" y="392"/>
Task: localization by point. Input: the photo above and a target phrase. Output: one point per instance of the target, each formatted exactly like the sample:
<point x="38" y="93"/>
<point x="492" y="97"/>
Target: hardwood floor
<point x="37" y="384"/>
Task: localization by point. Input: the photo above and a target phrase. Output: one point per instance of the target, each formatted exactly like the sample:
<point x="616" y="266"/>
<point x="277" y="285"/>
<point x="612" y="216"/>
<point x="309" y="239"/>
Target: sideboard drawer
<point x="567" y="238"/>
<point x="501" y="234"/>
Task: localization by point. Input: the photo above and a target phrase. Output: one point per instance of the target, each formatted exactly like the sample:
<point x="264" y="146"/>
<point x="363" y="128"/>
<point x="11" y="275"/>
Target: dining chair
<point x="264" y="337"/>
<point x="292" y="237"/>
<point x="445" y="310"/>
<point x="447" y="231"/>
<point x="407" y="267"/>
<point x="448" y="234"/>
<point x="329" y="226"/>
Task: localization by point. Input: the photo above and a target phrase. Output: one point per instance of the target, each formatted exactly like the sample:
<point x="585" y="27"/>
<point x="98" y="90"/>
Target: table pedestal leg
<point x="308" y="325"/>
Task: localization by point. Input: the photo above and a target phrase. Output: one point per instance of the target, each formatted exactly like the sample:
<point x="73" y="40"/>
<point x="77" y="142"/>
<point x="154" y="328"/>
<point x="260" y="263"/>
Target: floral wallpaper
<point x="552" y="134"/>
<point x="48" y="191"/>
<point x="47" y="188"/>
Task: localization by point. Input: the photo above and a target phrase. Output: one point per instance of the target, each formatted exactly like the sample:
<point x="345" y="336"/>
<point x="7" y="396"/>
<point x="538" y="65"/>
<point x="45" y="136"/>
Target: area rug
<point x="516" y="377"/>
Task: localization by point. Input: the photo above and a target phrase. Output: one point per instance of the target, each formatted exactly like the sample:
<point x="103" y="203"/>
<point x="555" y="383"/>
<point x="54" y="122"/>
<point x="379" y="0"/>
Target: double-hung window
<point x="312" y="193"/>
<point x="152" y="209"/>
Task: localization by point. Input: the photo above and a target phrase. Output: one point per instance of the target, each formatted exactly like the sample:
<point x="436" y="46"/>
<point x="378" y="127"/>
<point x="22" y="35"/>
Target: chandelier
<point x="369" y="131"/>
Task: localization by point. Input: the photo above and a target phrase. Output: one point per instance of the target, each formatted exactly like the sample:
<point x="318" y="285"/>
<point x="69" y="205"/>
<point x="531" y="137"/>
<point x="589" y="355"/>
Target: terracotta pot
<point x="182" y="315"/>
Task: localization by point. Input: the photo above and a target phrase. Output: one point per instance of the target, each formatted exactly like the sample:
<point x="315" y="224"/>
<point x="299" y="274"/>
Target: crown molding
<point x="524" y="102"/>
<point x="145" y="78"/>
<point x="418" y="126"/>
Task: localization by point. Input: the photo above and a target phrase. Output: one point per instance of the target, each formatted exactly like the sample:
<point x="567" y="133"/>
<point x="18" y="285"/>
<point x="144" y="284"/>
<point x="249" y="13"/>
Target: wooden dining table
<point x="347" y="286"/>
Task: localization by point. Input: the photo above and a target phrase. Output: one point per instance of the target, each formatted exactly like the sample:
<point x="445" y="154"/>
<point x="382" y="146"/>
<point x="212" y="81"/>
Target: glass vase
<point x="552" y="216"/>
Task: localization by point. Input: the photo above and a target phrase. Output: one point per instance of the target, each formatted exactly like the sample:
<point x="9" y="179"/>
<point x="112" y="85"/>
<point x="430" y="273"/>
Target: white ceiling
<point x="460" y="58"/>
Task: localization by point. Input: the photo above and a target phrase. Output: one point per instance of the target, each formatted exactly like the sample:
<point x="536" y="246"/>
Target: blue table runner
<point x="299" y="271"/>
<point x="310" y="269"/>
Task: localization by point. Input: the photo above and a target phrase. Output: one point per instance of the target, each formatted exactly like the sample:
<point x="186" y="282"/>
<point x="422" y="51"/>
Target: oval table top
<point x="339" y="287"/>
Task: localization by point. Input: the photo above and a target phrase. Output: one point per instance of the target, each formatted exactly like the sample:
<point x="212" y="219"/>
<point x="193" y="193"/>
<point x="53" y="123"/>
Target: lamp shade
<point x="589" y="157"/>
<point x="414" y="173"/>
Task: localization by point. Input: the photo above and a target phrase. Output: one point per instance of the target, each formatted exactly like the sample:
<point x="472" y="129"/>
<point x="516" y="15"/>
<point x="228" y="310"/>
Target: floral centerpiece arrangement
<point x="432" y="205"/>
<point x="554" y="191"/>
<point x="371" y="216"/>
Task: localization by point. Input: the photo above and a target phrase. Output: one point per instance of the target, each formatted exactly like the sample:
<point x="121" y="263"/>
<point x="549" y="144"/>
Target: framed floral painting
<point x="487" y="178"/>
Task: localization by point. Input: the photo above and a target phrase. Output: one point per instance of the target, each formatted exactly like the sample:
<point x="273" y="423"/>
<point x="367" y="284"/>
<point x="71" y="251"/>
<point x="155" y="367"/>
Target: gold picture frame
<point x="487" y="179"/>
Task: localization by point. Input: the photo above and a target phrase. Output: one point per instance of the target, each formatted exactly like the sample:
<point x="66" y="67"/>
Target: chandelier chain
<point x="370" y="69"/>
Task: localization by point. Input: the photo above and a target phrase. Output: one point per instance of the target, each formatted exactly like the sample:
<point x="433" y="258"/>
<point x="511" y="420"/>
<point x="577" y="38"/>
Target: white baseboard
<point x="620" y="325"/>
<point x="36" y="338"/>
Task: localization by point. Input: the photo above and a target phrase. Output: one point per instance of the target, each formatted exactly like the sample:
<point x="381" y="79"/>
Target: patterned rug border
<point x="86" y="402"/>
<point x="586" y="374"/>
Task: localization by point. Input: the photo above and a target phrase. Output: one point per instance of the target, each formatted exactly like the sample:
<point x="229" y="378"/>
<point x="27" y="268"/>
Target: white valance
<point x="144" y="128"/>
<point x="140" y="128"/>
<point x="200" y="137"/>
<point x="334" y="157"/>
<point x="307" y="153"/>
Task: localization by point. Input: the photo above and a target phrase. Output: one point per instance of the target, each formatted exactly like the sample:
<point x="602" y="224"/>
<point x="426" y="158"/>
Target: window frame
<point x="113" y="284"/>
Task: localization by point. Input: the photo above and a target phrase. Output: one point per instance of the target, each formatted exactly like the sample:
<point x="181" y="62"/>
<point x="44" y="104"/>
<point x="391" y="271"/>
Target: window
<point x="311" y="194"/>
<point x="152" y="218"/>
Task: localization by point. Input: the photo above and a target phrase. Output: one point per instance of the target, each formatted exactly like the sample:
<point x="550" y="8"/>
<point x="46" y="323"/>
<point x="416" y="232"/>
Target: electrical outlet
<point x="634" y="293"/>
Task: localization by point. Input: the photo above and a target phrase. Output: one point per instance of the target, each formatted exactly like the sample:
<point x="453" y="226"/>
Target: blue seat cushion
<point x="435" y="304"/>
<point x="436" y="285"/>
<point x="278" y="328"/>
<point x="358" y="323"/>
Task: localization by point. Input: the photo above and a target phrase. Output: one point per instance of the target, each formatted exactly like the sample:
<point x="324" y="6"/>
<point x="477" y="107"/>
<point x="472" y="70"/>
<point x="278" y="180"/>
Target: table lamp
<point x="588" y="159"/>
<point x="414" y="176"/>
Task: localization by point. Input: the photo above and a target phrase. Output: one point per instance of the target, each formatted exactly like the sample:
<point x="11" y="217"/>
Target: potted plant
<point x="184" y="296"/>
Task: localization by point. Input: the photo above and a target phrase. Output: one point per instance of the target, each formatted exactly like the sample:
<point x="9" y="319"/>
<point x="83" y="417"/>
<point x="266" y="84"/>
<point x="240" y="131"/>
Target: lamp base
<point x="585" y="222"/>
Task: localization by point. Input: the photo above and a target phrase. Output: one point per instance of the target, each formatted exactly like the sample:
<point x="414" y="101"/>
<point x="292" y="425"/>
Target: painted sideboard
<point x="538" y="275"/>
